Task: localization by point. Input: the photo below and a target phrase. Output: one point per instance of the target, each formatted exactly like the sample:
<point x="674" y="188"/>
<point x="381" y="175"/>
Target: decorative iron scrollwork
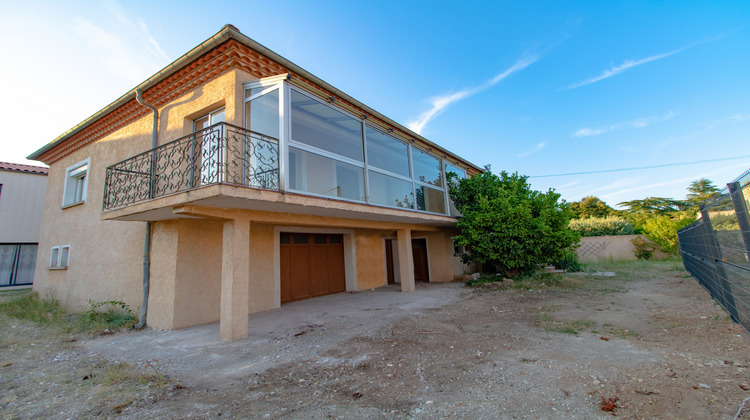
<point x="219" y="154"/>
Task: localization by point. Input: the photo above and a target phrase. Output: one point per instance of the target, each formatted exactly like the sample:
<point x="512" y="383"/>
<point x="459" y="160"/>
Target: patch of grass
<point x="101" y="316"/>
<point x="110" y="315"/>
<point x="565" y="327"/>
<point x="542" y="280"/>
<point x="124" y="375"/>
<point x="28" y="306"/>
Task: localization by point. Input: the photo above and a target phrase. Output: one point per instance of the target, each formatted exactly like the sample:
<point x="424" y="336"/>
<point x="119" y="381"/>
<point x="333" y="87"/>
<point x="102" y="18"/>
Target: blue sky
<point x="541" y="88"/>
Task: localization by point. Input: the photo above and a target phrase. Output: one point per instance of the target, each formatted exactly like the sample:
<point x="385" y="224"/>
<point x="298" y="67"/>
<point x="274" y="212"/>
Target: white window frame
<point x="56" y="257"/>
<point x="211" y="175"/>
<point x="270" y="83"/>
<point x="286" y="140"/>
<point x="73" y="175"/>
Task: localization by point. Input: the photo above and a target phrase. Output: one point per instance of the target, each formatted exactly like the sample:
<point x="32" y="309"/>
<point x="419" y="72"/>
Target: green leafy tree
<point x="508" y="226"/>
<point x="591" y="207"/>
<point x="700" y="191"/>
<point x="663" y="231"/>
<point x="653" y="205"/>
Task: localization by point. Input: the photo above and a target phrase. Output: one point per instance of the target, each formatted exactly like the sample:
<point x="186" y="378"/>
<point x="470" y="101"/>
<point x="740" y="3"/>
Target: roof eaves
<point x="217" y="39"/>
<point x="227" y="32"/>
<point x="327" y="86"/>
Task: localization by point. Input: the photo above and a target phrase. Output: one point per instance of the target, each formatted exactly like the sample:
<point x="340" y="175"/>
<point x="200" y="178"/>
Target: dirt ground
<point x="648" y="340"/>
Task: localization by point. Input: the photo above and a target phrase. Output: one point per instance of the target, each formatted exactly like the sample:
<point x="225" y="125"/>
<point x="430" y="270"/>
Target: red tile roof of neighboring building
<point x="19" y="167"/>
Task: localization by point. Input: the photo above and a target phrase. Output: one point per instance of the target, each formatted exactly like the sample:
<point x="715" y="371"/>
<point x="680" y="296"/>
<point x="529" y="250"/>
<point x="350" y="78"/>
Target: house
<point x="260" y="184"/>
<point x="22" y="189"/>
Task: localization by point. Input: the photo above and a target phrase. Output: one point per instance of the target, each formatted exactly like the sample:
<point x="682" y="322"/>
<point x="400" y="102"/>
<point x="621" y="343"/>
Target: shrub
<point x="111" y="315"/>
<point x="509" y="226"/>
<point x="724" y="221"/>
<point x="569" y="262"/>
<point x="642" y="249"/>
<point x="602" y="226"/>
<point x="663" y="231"/>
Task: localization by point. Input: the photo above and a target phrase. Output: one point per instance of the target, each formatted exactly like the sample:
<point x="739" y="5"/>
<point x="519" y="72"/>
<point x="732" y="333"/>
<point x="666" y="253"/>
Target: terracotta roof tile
<point x="19" y="167"/>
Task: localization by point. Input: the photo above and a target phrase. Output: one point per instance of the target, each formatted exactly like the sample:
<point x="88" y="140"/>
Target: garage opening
<point x="312" y="265"/>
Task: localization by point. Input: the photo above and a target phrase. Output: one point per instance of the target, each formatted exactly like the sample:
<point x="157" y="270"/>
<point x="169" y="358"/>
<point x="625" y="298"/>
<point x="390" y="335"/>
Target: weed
<point x="565" y="327"/>
<point x="125" y="375"/>
<point x="109" y="315"/>
<point x="28" y="306"/>
<point x="49" y="312"/>
<point x="642" y="249"/>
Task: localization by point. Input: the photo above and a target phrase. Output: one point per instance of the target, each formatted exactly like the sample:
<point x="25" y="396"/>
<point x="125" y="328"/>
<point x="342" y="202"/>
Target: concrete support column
<point x="235" y="280"/>
<point x="405" y="260"/>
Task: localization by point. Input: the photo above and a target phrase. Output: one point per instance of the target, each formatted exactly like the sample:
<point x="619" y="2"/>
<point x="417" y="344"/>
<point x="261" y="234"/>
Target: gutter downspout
<point x="147" y="238"/>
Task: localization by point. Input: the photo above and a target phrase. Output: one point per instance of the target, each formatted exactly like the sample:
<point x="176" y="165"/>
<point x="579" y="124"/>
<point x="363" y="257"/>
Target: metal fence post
<point x="740" y="210"/>
<point x="719" y="274"/>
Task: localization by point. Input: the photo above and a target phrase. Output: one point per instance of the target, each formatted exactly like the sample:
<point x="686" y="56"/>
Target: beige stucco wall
<point x="106" y="256"/>
<point x="440" y="256"/>
<point x="262" y="276"/>
<point x="21" y="206"/>
<point x="370" y="258"/>
<point x="615" y="248"/>
<point x="198" y="277"/>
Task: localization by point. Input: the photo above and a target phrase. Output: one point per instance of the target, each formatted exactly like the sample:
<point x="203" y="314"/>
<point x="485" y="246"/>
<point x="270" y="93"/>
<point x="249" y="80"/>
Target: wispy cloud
<point x="732" y="119"/>
<point x="126" y="47"/>
<point x="536" y="148"/>
<point x="440" y="103"/>
<point x="637" y="123"/>
<point x="626" y="65"/>
<point x="629" y="64"/>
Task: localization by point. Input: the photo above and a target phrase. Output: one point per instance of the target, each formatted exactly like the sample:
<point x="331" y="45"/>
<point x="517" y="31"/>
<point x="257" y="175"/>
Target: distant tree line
<point x="658" y="217"/>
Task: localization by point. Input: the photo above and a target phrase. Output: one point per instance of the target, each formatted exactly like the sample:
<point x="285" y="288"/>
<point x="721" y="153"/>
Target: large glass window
<point x="390" y="191"/>
<point x="430" y="199"/>
<point x="426" y="167"/>
<point x="386" y="153"/>
<point x="322" y="175"/>
<point x="262" y="114"/>
<point x="460" y="174"/>
<point x="17" y="264"/>
<point x="324" y="127"/>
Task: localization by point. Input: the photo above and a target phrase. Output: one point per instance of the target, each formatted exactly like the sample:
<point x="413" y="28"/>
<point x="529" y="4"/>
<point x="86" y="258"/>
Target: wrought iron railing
<point x="219" y="154"/>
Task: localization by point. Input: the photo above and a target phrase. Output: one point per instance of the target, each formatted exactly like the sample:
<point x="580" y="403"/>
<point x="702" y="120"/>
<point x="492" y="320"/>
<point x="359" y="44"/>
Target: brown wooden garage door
<point x="312" y="265"/>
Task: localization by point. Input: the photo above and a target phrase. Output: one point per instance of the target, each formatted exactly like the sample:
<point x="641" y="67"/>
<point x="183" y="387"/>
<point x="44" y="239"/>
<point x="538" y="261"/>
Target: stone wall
<point x="615" y="248"/>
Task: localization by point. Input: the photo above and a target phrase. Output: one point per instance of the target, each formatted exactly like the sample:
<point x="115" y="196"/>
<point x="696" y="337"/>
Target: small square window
<point x="64" y="255"/>
<point x="76" y="184"/>
<point x="59" y="257"/>
<point x="458" y="249"/>
<point x="54" y="256"/>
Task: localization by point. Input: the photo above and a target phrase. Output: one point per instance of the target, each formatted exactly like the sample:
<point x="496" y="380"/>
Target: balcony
<point x="228" y="167"/>
<point x="219" y="154"/>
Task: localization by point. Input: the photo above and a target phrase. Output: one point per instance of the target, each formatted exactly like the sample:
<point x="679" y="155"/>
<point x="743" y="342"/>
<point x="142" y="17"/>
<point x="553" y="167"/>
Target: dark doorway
<point x="419" y="252"/>
<point x="389" y="261"/>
